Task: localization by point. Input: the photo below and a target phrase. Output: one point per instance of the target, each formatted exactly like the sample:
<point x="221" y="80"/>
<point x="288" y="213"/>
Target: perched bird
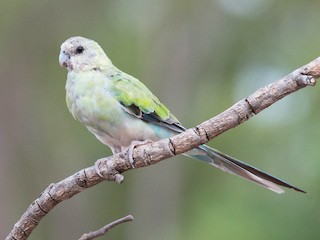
<point x="121" y="111"/>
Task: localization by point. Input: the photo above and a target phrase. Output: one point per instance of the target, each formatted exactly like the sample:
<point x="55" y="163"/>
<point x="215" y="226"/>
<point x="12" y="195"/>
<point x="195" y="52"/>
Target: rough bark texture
<point x="112" y="167"/>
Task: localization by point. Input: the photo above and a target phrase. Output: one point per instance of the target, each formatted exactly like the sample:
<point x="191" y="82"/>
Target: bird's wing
<point x="140" y="102"/>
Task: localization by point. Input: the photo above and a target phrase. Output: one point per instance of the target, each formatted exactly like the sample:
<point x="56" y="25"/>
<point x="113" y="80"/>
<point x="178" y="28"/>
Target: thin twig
<point x="102" y="231"/>
<point x="112" y="167"/>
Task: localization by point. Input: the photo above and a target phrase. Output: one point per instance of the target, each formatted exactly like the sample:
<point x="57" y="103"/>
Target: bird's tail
<point x="236" y="167"/>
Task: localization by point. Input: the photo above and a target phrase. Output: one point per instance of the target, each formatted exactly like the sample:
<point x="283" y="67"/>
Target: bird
<point x="122" y="112"/>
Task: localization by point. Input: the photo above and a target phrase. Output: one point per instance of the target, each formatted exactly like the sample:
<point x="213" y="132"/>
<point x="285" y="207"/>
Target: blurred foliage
<point x="198" y="58"/>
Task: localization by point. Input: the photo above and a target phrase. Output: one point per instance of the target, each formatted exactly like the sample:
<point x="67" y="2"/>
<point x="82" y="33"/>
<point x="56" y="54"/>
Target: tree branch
<point x="102" y="231"/>
<point x="110" y="168"/>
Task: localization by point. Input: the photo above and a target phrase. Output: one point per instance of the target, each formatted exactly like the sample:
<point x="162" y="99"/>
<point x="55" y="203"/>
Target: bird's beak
<point x="63" y="59"/>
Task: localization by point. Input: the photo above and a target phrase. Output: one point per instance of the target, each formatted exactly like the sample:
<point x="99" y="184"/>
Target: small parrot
<point x="122" y="112"/>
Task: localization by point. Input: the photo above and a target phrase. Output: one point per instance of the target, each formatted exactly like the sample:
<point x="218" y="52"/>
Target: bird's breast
<point x="90" y="100"/>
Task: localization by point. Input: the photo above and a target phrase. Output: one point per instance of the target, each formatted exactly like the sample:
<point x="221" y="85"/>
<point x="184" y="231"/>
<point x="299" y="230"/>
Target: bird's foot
<point x="132" y="145"/>
<point x="97" y="167"/>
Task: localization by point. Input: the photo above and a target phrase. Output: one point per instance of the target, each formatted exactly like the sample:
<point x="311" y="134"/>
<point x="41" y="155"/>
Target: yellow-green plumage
<point x="119" y="109"/>
<point x="140" y="97"/>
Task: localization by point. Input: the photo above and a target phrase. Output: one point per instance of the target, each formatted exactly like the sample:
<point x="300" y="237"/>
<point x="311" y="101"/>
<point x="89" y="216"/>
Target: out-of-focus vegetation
<point x="198" y="57"/>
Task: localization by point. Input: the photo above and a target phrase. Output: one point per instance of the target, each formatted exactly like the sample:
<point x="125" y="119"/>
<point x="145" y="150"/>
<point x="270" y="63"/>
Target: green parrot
<point x="122" y="112"/>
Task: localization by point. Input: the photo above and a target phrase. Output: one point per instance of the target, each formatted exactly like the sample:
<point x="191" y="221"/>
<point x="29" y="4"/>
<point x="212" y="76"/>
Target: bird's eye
<point x="79" y="49"/>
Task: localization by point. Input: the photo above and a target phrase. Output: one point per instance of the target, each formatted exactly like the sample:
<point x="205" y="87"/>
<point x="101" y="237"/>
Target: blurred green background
<point x="198" y="57"/>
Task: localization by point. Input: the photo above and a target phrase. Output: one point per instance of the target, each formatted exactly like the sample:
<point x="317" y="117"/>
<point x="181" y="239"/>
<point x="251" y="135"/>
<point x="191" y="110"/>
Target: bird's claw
<point x="97" y="168"/>
<point x="132" y="145"/>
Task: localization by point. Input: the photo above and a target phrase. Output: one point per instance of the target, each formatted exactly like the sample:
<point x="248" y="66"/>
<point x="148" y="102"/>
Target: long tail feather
<point x="236" y="167"/>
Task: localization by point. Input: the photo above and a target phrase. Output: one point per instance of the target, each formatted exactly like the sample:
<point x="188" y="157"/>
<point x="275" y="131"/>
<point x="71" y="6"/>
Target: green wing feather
<point x="138" y="99"/>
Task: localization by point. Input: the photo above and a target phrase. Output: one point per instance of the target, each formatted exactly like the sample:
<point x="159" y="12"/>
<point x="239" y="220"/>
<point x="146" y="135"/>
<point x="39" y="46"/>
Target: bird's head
<point x="82" y="54"/>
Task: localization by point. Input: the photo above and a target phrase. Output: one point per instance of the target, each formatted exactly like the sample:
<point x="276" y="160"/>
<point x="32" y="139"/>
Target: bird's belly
<point x="121" y="134"/>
